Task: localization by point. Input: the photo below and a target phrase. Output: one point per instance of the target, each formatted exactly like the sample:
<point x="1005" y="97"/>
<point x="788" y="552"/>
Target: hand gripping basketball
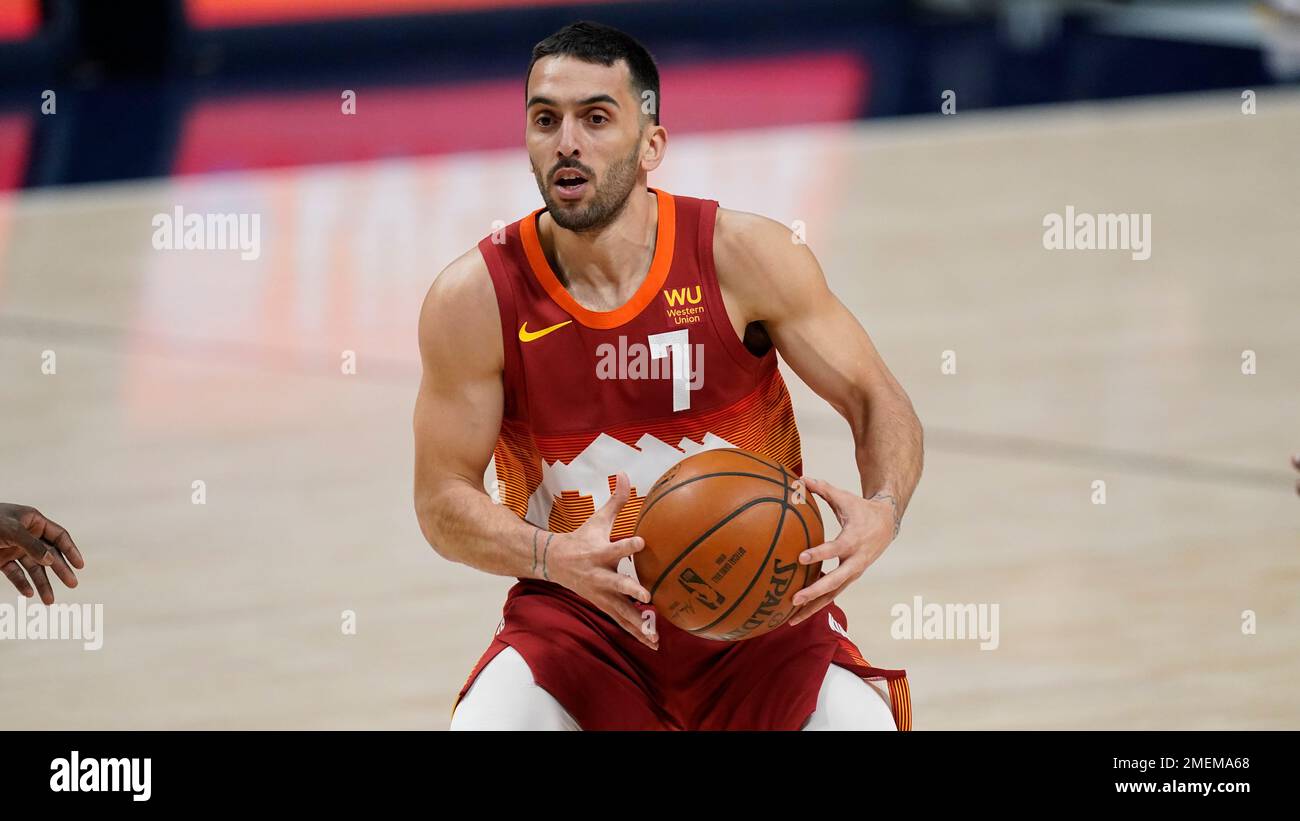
<point x="867" y="526"/>
<point x="586" y="562"/>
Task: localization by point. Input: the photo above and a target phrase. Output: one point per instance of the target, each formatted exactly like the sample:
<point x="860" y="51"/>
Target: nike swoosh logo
<point x="526" y="335"/>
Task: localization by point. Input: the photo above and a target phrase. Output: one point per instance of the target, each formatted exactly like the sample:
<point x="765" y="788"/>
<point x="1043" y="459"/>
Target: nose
<point x="569" y="137"/>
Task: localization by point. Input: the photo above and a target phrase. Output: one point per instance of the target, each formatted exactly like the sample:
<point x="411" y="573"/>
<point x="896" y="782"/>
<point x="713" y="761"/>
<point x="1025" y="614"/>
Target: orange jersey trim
<point x="665" y="238"/>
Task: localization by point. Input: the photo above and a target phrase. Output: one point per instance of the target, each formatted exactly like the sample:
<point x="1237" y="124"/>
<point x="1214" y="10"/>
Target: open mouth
<point x="570" y="182"/>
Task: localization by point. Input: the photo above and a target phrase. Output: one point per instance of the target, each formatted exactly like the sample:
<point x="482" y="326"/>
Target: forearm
<point x="889" y="446"/>
<point x="464" y="525"/>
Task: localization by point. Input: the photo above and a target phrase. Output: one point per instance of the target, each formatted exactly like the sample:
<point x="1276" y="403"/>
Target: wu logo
<point x="682" y="296"/>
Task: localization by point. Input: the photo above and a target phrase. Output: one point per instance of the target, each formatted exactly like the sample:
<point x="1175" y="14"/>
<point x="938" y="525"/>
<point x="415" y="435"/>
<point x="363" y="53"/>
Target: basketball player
<point x="512" y="336"/>
<point x="29" y="543"/>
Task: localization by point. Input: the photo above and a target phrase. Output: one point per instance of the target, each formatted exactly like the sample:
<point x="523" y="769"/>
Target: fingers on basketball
<point x="629" y="586"/>
<point x="624" y="548"/>
<point x="630" y="617"/>
<point x="610" y="510"/>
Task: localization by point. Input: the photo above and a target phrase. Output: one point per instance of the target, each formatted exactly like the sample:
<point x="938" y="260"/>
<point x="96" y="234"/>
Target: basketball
<point x="723" y="531"/>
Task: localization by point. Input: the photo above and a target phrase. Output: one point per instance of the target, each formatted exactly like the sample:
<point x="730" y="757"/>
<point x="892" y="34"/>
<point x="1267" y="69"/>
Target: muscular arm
<point x="767" y="278"/>
<point x="457" y="418"/>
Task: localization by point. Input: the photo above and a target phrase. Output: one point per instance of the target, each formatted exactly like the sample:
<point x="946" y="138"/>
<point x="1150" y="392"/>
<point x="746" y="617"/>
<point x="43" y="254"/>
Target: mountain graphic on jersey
<point x="558" y="481"/>
<point x="589" y="474"/>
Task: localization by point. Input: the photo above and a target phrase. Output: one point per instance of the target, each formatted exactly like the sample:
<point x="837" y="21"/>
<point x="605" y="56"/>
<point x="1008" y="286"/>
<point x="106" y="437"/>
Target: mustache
<point x="571" y="163"/>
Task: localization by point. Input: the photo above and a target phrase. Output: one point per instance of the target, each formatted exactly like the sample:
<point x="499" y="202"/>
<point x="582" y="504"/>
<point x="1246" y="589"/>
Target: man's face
<point x="584" y="139"/>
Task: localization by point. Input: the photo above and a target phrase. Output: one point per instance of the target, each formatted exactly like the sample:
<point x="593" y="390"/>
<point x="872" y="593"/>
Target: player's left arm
<point x="768" y="278"/>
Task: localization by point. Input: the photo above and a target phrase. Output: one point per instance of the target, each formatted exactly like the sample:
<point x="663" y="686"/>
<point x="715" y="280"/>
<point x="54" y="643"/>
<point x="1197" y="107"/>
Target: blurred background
<point x="162" y="87"/>
<point x="921" y="144"/>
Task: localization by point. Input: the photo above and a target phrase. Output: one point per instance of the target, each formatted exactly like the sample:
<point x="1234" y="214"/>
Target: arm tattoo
<point x="535" y="532"/>
<point x="881" y="497"/>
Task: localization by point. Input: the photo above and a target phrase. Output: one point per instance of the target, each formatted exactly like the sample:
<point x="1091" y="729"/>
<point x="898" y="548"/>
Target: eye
<point x="543" y="120"/>
<point x="598" y="119"/>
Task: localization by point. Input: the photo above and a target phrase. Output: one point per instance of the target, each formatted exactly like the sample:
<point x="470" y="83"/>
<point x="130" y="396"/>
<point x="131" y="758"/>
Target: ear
<point x="656" y="142"/>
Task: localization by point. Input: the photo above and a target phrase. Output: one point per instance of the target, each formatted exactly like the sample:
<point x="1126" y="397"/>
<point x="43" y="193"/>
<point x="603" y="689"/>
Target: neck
<point x="603" y="268"/>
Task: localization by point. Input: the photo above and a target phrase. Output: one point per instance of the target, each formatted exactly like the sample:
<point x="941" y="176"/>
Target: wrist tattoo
<point x="535" y="532"/>
<point x="882" y="497"/>
<point x="546" y="550"/>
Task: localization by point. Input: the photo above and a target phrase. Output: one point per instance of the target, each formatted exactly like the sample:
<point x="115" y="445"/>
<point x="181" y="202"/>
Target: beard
<point x="609" y="194"/>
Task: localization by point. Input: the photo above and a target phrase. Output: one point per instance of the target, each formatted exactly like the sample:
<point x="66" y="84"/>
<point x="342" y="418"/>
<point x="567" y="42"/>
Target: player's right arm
<point x="457" y="418"/>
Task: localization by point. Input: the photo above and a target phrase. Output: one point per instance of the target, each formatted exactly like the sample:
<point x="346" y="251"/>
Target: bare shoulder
<point x="760" y="263"/>
<point x="460" y="312"/>
<point x="464" y="283"/>
<point x="740" y="237"/>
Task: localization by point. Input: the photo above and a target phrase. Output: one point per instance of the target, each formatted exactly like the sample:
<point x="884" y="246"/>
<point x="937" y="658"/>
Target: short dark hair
<point x="606" y="45"/>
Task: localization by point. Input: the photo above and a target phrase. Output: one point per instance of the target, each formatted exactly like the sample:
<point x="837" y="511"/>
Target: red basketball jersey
<point x="591" y="393"/>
